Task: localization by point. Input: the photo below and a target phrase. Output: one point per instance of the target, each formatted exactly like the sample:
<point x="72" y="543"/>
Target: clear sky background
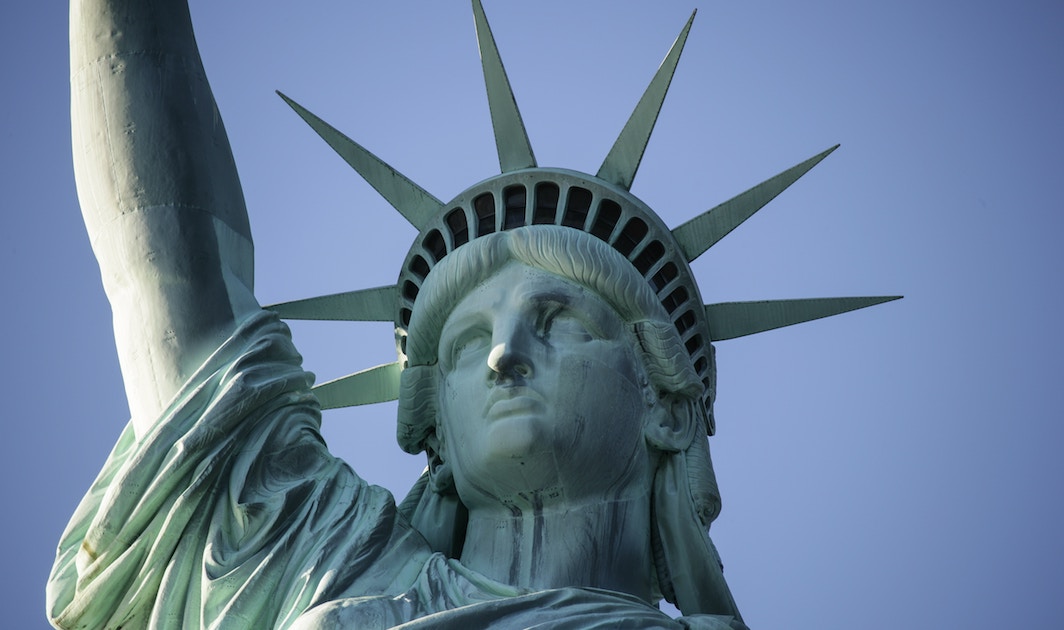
<point x="898" y="466"/>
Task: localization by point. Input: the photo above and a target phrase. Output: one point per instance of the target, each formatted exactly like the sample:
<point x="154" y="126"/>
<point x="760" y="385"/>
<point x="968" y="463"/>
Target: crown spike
<point x="511" y="139"/>
<point x="366" y="305"/>
<point x="702" y="232"/>
<point x="623" y="160"/>
<point x="373" y="385"/>
<point x="729" y="320"/>
<point x="411" y="200"/>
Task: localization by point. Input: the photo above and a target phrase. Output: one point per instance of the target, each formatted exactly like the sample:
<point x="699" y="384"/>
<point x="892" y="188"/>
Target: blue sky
<point x="898" y="465"/>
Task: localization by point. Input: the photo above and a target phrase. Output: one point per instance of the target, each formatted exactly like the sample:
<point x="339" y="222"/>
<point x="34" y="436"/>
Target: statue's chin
<point x="515" y="459"/>
<point x="518" y="435"/>
<point x="517" y="441"/>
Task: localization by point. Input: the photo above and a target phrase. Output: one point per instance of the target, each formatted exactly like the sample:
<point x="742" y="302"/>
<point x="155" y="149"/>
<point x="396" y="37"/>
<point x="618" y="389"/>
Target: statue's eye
<point x="469" y="344"/>
<point x="561" y="325"/>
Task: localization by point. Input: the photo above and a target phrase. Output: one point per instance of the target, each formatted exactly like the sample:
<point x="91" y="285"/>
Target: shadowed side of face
<point x="541" y="396"/>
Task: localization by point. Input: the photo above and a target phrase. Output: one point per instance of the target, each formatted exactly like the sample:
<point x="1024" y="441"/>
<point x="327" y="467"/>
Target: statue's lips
<point x="515" y="401"/>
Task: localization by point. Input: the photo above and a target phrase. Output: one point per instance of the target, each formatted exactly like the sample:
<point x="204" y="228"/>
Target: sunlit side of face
<point x="541" y="396"/>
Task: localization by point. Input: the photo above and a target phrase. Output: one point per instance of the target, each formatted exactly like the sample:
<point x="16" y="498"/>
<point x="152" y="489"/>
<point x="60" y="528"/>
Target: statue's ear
<point x="441" y="477"/>
<point x="670" y="423"/>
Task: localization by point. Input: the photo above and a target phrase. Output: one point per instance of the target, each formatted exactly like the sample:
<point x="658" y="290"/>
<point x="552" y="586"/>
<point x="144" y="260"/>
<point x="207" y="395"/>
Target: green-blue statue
<point x="555" y="366"/>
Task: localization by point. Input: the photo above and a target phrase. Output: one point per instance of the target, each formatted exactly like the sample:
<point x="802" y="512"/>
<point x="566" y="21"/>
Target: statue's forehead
<point x="517" y="286"/>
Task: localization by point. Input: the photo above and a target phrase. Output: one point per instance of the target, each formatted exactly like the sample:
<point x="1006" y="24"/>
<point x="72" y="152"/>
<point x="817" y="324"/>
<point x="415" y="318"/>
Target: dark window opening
<point x="608" y="214"/>
<point x="456" y="222"/>
<point x="419" y="267"/>
<point x="484" y="207"/>
<point x="685" y="321"/>
<point x="576" y="208"/>
<point x="700" y="366"/>
<point x="404" y="316"/>
<point x="435" y="245"/>
<point x="514" y="198"/>
<point x="546" y="203"/>
<point x="675" y="300"/>
<point x="693" y="344"/>
<point x="633" y="232"/>
<point x="663" y="277"/>
<point x="651" y="254"/>
<point x="410" y="290"/>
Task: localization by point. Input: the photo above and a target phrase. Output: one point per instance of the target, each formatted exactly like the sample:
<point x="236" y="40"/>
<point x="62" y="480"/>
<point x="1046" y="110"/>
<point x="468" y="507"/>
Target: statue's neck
<point x="604" y="544"/>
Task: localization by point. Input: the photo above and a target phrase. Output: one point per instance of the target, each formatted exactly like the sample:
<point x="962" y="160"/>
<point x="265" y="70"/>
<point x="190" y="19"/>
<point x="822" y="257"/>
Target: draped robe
<point x="232" y="513"/>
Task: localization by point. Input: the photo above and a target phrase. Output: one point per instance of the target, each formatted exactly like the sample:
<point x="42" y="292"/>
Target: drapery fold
<point x="231" y="512"/>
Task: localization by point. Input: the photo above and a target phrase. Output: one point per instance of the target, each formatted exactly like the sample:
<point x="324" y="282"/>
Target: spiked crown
<point x="526" y="194"/>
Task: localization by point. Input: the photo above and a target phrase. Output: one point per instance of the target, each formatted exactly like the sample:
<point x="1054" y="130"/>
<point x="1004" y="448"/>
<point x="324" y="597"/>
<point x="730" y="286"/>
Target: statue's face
<point x="542" y="394"/>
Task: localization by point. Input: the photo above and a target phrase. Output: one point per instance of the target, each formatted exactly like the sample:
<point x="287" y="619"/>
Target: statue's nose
<point x="509" y="358"/>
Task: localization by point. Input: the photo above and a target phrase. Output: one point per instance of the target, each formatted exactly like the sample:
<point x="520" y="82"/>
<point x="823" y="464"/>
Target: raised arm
<point x="159" y="192"/>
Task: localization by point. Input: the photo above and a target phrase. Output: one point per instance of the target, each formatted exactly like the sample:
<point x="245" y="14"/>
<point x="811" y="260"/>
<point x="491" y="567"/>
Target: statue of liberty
<point x="555" y="366"/>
